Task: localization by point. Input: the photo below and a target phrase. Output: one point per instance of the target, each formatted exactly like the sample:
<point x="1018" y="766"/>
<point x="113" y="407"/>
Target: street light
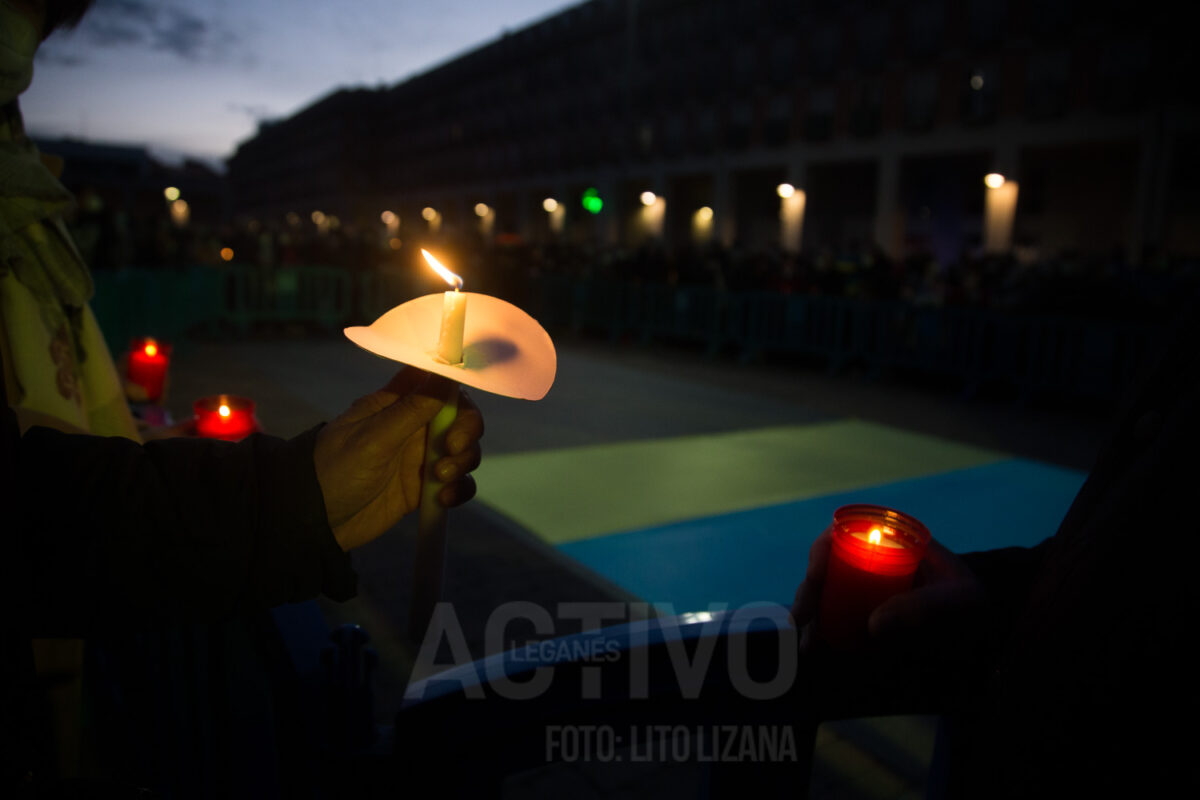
<point x="785" y="190"/>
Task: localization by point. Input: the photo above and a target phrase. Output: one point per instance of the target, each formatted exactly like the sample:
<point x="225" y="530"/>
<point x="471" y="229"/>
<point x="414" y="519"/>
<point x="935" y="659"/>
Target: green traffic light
<point x="591" y="201"/>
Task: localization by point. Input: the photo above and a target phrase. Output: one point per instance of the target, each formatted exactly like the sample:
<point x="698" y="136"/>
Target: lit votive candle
<point x="225" y="416"/>
<point x="148" y="362"/>
<point x="874" y="556"/>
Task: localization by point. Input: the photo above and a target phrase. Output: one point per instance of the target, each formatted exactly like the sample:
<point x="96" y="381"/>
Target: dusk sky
<point x="196" y="76"/>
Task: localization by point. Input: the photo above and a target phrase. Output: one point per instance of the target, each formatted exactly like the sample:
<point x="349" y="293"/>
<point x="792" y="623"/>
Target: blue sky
<point x="196" y="76"/>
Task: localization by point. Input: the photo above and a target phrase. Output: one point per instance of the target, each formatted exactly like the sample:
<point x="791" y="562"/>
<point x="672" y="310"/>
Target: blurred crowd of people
<point x="1066" y="283"/>
<point x="1069" y="283"/>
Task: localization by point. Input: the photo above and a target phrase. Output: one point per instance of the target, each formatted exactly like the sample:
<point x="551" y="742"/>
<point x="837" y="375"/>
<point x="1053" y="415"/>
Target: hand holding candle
<point x="941" y="599"/>
<point x="369" y="461"/>
<point x="867" y="555"/>
<point x="498" y="349"/>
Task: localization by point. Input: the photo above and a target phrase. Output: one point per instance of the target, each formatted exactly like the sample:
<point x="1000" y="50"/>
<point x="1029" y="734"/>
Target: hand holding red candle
<point x="945" y="599"/>
<point x="873" y="554"/>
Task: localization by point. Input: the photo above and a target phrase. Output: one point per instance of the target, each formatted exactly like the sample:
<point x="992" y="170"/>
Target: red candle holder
<point x="148" y="363"/>
<point x="225" y="416"/>
<point x="874" y="555"/>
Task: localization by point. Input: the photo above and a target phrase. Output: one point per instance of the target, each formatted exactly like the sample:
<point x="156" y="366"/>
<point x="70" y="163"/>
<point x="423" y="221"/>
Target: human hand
<point x="368" y="460"/>
<point x="808" y="594"/>
<point x="946" y="598"/>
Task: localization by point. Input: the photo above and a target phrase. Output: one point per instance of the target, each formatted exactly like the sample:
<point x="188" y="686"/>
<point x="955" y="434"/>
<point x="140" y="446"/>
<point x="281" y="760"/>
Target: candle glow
<point x="446" y="275"/>
<point x="454" y="314"/>
<point x="225" y="416"/>
<point x="874" y="555"/>
<point x="147" y="367"/>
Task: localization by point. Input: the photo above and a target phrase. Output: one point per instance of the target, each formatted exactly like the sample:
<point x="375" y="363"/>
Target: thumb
<point x="895" y="614"/>
<point x="393" y="424"/>
<point x="927" y="609"/>
<point x="903" y="612"/>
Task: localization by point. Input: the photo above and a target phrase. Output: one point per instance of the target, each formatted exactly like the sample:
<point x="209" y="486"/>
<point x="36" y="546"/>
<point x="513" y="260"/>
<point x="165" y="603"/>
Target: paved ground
<point x="605" y="395"/>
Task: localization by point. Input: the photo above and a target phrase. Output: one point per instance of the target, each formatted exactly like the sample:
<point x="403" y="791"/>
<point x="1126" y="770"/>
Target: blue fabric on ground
<point x="761" y="554"/>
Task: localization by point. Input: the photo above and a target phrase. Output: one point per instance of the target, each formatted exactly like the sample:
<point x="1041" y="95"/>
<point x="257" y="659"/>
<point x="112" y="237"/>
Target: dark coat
<point x="1094" y="664"/>
<point x="103" y="532"/>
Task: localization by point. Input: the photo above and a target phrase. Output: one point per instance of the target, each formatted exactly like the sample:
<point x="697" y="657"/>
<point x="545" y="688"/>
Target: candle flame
<point x="151" y="348"/>
<point x="876" y="537"/>
<point x="448" y="276"/>
<point x="223" y="410"/>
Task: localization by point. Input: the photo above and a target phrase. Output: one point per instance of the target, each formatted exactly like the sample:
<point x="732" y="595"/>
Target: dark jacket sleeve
<point x="109" y="531"/>
<point x="1007" y="575"/>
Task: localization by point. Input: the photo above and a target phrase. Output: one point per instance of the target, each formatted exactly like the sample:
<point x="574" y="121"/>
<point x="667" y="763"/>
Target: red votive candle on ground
<point x="874" y="555"/>
<point x="148" y="362"/>
<point x="225" y="416"/>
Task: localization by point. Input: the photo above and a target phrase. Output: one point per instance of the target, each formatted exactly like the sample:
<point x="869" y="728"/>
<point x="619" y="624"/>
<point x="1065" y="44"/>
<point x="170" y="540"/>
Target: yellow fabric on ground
<point x="579" y="493"/>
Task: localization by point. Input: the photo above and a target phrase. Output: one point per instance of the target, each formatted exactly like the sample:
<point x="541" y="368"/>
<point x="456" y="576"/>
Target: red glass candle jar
<point x="148" y="363"/>
<point x="874" y="555"/>
<point x="225" y="416"/>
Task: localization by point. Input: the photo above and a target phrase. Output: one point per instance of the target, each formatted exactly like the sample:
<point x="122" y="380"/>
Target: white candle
<point x="454" y="314"/>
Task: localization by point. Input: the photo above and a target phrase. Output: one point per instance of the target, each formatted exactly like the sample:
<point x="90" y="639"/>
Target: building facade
<point x="687" y="118"/>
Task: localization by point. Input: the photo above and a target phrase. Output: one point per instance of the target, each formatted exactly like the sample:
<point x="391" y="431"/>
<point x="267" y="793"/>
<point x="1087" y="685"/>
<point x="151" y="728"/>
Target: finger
<point x="449" y="468"/>
<point x="457" y="492"/>
<point x="807" y="637"/>
<point x="800" y="605"/>
<point x="403" y="383"/>
<point x="941" y="562"/>
<point x="467" y="428"/>
<point x="818" y="556"/>
<point x="436" y="386"/>
<point x="897" y="614"/>
<point x="804" y="606"/>
<point x="391" y="426"/>
<point x="928" y="609"/>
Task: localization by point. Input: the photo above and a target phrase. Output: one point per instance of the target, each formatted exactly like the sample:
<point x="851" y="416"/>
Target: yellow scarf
<point x="60" y="364"/>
